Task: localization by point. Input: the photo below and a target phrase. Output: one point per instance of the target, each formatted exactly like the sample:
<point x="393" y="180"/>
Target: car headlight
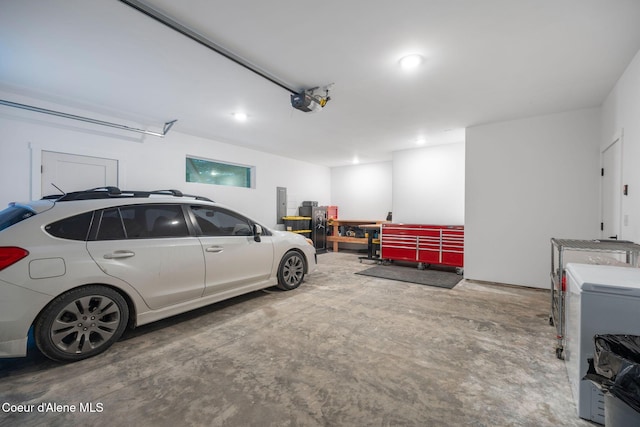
<point x="309" y="241"/>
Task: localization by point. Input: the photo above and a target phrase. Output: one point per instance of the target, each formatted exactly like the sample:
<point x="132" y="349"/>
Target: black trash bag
<point x="615" y="367"/>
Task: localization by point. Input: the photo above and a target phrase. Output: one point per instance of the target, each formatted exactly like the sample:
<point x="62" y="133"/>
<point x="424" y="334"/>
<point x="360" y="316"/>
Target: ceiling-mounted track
<point x="176" y="26"/>
<point x="165" y="129"/>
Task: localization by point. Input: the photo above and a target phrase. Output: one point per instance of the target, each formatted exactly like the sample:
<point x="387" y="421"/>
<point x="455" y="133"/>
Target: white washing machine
<point x="600" y="299"/>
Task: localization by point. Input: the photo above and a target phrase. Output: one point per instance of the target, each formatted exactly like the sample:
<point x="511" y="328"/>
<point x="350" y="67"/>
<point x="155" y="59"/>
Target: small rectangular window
<point x="212" y="172"/>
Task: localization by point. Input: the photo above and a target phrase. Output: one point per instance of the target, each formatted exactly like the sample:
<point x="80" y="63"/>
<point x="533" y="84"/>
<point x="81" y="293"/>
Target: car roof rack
<point x="115" y="192"/>
<point x="178" y="193"/>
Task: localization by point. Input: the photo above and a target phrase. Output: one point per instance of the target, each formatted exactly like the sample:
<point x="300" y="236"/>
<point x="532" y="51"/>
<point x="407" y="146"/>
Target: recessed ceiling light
<point x="356" y="160"/>
<point x="421" y="141"/>
<point x="410" y="62"/>
<point x="241" y="117"/>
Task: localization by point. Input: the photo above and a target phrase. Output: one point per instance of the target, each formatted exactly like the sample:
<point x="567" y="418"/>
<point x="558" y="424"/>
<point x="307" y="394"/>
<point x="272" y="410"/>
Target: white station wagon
<point x="82" y="267"/>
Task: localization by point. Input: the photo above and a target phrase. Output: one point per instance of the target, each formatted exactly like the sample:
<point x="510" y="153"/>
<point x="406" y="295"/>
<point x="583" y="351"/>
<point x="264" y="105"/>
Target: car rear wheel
<point x="291" y="271"/>
<point x="81" y="323"/>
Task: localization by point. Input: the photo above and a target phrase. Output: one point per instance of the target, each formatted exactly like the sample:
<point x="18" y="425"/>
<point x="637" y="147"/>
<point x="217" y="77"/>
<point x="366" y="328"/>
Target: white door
<point x="611" y="190"/>
<point x="71" y="172"/>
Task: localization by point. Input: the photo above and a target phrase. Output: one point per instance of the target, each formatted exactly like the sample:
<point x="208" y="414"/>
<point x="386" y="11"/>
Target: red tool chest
<point x="426" y="244"/>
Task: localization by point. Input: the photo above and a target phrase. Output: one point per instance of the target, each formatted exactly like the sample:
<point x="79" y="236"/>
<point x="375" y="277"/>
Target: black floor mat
<point x="429" y="277"/>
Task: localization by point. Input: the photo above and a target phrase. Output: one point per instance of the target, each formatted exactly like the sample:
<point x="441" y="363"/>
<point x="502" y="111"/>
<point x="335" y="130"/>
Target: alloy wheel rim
<point x="85" y="324"/>
<point x="293" y="270"/>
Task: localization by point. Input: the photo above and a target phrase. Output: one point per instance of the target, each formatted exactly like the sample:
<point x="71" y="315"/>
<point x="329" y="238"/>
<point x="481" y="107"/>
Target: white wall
<point x="621" y="115"/>
<point x="149" y="162"/>
<point x="428" y="185"/>
<point x="362" y="191"/>
<point x="527" y="181"/>
<point x="423" y="186"/>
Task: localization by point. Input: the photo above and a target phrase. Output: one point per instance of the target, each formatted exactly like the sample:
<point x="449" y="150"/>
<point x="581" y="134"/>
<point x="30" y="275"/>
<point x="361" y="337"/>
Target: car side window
<point x="73" y="228"/>
<point x="134" y="222"/>
<point x="110" y="226"/>
<point x="168" y="221"/>
<point x="221" y="222"/>
<point x="141" y="222"/>
<point x="155" y="221"/>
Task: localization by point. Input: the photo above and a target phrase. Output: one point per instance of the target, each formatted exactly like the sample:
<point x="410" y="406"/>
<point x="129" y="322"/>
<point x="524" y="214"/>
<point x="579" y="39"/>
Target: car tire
<point x="291" y="271"/>
<point x="81" y="323"/>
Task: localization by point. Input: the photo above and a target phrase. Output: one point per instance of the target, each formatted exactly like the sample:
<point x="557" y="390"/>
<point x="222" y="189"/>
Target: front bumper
<point x="18" y="309"/>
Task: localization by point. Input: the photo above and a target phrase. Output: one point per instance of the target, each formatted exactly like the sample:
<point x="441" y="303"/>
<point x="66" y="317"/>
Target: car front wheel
<point x="81" y="323"/>
<point x="291" y="271"/>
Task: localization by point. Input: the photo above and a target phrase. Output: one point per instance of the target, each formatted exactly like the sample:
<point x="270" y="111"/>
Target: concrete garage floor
<point x="342" y="350"/>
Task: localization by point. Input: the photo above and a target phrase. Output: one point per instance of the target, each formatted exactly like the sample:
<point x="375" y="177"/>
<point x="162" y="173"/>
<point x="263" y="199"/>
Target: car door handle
<point x="119" y="254"/>
<point x="214" y="249"/>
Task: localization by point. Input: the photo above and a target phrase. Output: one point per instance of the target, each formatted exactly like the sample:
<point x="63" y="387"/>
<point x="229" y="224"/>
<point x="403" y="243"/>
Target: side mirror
<point x="257" y="232"/>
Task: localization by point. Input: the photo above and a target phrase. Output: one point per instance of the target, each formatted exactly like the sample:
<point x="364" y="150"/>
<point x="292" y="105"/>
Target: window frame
<point x="248" y="169"/>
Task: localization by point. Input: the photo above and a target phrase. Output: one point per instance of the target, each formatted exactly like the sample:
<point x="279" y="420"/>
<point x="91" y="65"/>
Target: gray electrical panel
<point x="281" y="204"/>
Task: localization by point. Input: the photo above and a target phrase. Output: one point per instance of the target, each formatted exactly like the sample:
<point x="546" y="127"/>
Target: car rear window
<point x="13" y="215"/>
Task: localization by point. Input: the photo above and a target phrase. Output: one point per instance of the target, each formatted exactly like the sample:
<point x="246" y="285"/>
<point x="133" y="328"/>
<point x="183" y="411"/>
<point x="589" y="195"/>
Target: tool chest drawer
<point x="422" y="243"/>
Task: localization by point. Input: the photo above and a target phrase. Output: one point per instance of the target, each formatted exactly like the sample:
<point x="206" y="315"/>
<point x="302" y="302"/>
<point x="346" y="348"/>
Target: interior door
<point x="611" y="188"/>
<point x="71" y="172"/>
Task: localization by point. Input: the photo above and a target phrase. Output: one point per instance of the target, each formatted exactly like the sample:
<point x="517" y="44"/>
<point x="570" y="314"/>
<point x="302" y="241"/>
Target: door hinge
<point x="41" y="169"/>
<point x="601" y="171"/>
<point x="602" y="226"/>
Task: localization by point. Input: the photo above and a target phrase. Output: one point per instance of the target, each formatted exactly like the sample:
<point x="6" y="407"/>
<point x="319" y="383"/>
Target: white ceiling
<point x="485" y="61"/>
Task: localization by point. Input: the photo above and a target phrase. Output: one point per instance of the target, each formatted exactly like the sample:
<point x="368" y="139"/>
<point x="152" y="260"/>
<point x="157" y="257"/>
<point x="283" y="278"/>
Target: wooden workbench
<point x="336" y="239"/>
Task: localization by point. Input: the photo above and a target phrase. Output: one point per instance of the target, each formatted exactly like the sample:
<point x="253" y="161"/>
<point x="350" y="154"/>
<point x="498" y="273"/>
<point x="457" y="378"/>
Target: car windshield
<point x="13" y="215"/>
